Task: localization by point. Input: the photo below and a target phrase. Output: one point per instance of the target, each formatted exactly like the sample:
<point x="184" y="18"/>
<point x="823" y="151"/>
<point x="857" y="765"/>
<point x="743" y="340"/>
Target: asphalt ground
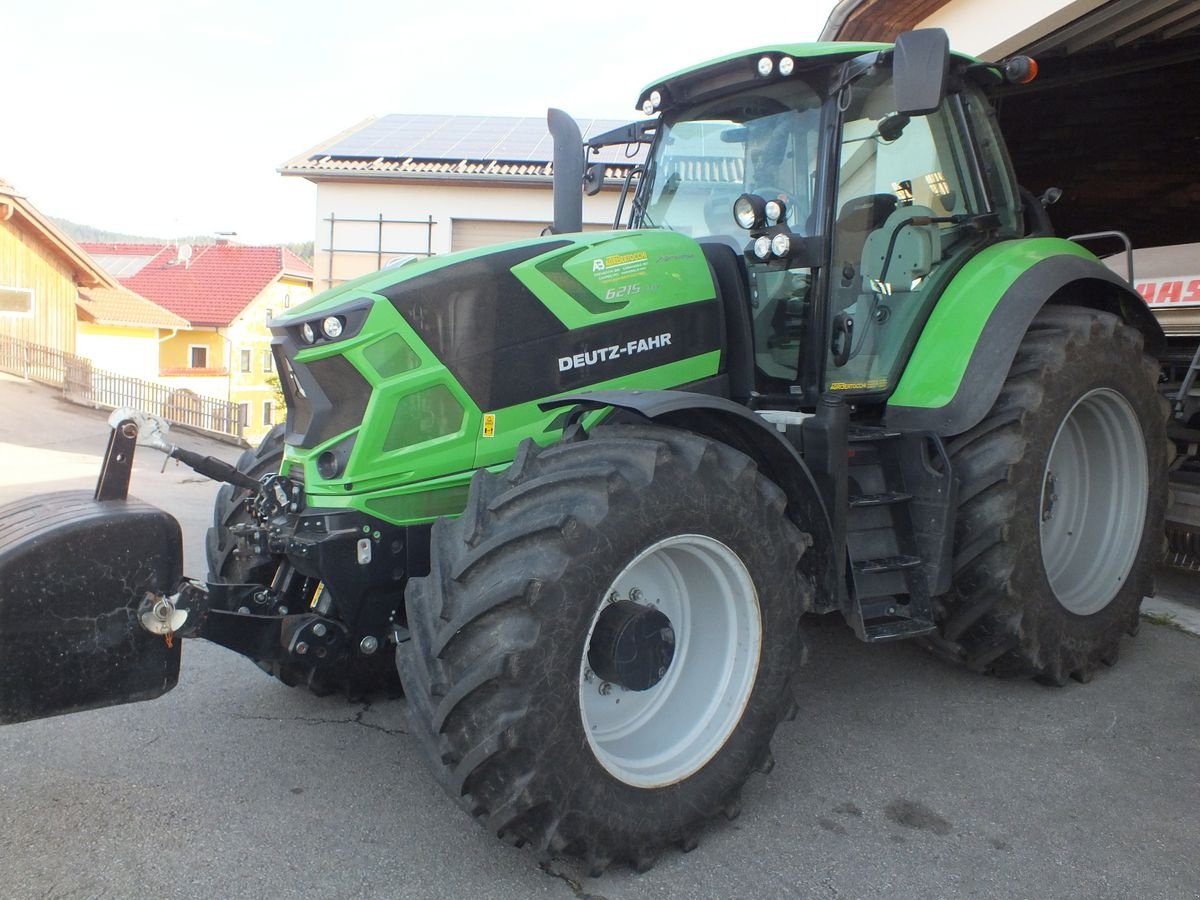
<point x="900" y="776"/>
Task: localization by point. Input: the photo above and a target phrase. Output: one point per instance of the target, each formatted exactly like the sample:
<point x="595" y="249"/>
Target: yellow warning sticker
<point x="871" y="385"/>
<point x="317" y="595"/>
<point x="489" y="425"/>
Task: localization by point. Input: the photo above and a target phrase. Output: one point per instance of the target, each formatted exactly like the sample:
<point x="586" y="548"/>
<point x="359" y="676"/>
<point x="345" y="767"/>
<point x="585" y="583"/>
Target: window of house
<point x="268" y="411"/>
<point x="268" y="361"/>
<point x="270" y="316"/>
<point x="16" y="301"/>
<point x="243" y="414"/>
<point x="197" y="356"/>
<point x="245" y="360"/>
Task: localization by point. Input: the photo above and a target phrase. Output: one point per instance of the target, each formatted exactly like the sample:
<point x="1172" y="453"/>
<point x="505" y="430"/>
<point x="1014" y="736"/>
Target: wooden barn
<point x="41" y="271"/>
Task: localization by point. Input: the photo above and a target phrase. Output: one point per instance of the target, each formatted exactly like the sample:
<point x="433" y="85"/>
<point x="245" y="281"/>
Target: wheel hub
<point x="632" y="646"/>
<point x="663" y="686"/>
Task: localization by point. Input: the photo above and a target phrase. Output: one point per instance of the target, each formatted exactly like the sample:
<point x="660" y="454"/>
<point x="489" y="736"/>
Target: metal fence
<point x="378" y="251"/>
<point x="82" y="383"/>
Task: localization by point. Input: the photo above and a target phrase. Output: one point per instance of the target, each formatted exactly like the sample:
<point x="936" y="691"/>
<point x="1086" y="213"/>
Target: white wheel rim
<point x="1094" y="495"/>
<point x="667" y="733"/>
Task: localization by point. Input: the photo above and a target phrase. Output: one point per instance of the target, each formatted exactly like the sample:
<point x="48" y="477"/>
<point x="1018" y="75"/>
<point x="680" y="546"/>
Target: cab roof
<point x="728" y="70"/>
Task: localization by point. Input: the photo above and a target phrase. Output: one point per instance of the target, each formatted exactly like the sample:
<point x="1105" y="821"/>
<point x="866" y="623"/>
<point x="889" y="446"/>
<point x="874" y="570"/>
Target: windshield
<point x="763" y="141"/>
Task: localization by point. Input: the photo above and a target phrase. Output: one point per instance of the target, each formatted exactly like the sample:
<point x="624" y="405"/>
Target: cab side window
<point x="897" y="176"/>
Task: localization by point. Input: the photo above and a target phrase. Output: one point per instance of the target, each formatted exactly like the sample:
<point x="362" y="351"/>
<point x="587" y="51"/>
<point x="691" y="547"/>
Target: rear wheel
<point x="1062" y="493"/>
<point x="234" y="562"/>
<point x="606" y="641"/>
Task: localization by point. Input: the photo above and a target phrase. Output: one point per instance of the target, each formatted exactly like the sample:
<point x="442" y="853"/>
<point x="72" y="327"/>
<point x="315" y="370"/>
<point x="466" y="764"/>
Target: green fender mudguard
<point x="969" y="342"/>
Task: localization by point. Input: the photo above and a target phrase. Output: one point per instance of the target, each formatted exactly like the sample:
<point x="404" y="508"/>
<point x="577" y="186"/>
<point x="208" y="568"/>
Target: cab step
<point x="899" y="563"/>
<point x="886" y="498"/>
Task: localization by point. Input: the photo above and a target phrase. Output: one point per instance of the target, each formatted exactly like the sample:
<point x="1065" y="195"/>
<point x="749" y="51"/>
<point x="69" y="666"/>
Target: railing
<point x="378" y="250"/>
<point x="84" y="384"/>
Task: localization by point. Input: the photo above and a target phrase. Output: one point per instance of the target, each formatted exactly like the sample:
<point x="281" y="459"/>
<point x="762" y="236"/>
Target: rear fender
<point x="968" y="345"/>
<point x="735" y="425"/>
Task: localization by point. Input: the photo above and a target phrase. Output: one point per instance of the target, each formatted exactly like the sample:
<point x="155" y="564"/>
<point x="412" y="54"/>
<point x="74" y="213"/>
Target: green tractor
<point x="582" y="490"/>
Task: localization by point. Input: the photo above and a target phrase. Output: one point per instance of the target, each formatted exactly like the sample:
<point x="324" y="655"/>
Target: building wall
<point x="125" y="351"/>
<point x="249" y="333"/>
<point x="175" y="356"/>
<point x="417" y="202"/>
<point x="27" y="261"/>
<point x="993" y="30"/>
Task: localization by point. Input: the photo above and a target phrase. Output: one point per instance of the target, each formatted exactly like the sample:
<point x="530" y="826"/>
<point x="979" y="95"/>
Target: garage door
<point x="466" y="234"/>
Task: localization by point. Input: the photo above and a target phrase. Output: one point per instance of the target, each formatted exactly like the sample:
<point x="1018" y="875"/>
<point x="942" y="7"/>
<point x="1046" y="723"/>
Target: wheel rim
<point x="1094" y="495"/>
<point x="662" y="735"/>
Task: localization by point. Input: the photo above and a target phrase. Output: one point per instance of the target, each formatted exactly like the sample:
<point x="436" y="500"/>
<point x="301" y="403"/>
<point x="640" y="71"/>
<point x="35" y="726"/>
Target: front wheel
<point x="1063" y="488"/>
<point x="606" y="641"/>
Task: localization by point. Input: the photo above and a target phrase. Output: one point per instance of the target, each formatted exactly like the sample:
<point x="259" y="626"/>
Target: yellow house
<point x="225" y="293"/>
<point x="119" y="331"/>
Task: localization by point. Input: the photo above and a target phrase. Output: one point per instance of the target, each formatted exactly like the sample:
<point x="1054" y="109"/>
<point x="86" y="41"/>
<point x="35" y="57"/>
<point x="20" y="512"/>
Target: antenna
<point x="183" y="254"/>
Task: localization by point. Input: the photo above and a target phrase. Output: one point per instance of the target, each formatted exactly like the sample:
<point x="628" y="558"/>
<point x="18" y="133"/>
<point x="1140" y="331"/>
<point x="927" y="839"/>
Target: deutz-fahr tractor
<point x="574" y="495"/>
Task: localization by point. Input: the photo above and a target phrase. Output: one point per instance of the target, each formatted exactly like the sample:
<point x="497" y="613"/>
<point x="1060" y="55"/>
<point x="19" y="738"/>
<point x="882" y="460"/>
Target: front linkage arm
<point x="246" y="618"/>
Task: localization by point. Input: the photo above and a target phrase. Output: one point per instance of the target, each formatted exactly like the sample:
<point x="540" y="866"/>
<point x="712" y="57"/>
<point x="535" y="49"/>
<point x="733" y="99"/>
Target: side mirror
<point x="920" y="66"/>
<point x="593" y="178"/>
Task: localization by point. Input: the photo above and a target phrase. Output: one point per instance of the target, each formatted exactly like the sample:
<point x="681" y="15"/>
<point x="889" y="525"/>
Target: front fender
<point x="968" y="345"/>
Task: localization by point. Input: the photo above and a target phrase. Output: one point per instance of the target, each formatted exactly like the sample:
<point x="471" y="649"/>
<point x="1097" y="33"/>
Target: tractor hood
<point x="437" y="367"/>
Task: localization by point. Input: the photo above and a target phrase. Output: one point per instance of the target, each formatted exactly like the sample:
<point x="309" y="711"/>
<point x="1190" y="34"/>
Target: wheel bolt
<point x="301" y="648"/>
<point x="369" y="644"/>
<point x="635" y="595"/>
<point x="319" y="629"/>
<point x="605" y="689"/>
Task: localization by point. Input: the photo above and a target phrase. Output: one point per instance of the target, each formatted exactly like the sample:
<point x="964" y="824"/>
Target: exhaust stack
<point x="568" y="172"/>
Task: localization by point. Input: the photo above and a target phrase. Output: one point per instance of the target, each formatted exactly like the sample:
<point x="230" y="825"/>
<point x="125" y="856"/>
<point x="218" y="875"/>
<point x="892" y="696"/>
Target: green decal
<point x="610" y="275"/>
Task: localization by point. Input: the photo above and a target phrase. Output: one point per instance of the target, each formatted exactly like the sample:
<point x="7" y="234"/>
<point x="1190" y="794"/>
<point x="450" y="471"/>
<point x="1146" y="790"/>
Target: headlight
<point x="655" y="99"/>
<point x="762" y="247"/>
<point x="781" y="245"/>
<point x="331" y="327"/>
<point x="648" y="108"/>
<point x="306" y="332"/>
<point x="328" y="466"/>
<point x="787" y="65"/>
<point x="766" y="66"/>
<point x="748" y="211"/>
<point x="774" y="210"/>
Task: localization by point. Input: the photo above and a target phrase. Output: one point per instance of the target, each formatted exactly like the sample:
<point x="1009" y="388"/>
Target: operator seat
<point x="858" y="218"/>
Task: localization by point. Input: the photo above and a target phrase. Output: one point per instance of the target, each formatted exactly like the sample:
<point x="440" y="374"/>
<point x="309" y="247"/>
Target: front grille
<point x="325" y="398"/>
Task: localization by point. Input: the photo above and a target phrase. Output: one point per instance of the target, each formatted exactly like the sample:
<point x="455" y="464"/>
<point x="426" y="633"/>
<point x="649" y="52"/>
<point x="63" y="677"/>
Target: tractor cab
<point x="848" y="182"/>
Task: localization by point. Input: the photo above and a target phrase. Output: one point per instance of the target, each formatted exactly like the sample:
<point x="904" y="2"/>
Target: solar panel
<point x="121" y="265"/>
<point x="453" y="138"/>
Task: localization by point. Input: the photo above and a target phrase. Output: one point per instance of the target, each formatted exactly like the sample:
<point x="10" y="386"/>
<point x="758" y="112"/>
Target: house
<point x="413" y="185"/>
<point x="41" y="273"/>
<point x="225" y="294"/>
<point x="122" y="332"/>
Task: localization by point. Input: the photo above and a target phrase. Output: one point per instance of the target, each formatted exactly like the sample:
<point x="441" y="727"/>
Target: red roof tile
<point x="214" y="286"/>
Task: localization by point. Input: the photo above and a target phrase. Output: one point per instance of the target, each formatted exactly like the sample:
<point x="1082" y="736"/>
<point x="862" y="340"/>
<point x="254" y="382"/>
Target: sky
<point x="167" y="118"/>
